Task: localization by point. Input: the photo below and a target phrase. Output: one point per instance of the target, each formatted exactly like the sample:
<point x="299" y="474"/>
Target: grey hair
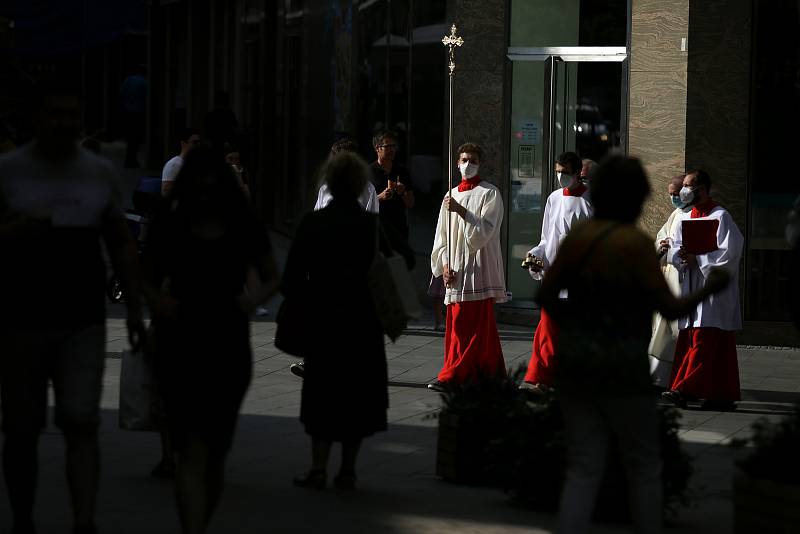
<point x="346" y="174"/>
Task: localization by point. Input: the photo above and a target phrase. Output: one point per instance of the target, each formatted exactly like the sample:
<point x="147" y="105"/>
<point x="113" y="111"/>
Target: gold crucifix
<point x="451" y="42"/>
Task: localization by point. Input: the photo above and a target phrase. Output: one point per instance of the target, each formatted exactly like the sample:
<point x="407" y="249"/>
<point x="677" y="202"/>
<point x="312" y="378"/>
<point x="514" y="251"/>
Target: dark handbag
<point x="290" y="334"/>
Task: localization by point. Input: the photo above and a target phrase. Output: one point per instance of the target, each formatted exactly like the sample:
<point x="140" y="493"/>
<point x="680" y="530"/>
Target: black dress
<point x="204" y="360"/>
<point x="345" y="394"/>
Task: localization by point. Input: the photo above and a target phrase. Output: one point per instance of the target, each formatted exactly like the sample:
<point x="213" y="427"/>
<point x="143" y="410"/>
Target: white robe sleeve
<point x="370" y="199"/>
<point x="439" y="252"/>
<point x="483" y="225"/>
<point x="322" y="198"/>
<point x="547" y="222"/>
<point x="729" y="247"/>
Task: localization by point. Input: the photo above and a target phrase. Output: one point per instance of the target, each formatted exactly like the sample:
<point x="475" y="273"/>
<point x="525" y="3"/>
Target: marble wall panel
<point x="657" y="136"/>
<point x="657" y="29"/>
<point x="657" y="97"/>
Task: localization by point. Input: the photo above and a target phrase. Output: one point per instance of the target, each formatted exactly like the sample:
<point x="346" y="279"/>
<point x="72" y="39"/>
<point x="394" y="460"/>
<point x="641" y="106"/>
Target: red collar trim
<point x="470" y="183"/>
<point x="704" y="209"/>
<point x="577" y="192"/>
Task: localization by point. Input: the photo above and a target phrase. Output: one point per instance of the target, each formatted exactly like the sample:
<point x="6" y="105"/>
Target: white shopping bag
<point x="138" y="399"/>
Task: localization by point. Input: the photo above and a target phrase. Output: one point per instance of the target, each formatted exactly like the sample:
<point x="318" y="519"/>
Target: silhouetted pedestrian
<point x="608" y="266"/>
<point x="345" y="395"/>
<point x="207" y="265"/>
<point x="57" y="203"/>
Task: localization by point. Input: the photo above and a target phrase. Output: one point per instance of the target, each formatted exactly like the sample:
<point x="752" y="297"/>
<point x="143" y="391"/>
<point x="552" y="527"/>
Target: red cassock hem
<point x="542" y="363"/>
<point x="705" y="365"/>
<point x="471" y="342"/>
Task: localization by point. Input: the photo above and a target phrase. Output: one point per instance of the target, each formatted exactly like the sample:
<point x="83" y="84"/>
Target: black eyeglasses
<point x="388" y="146"/>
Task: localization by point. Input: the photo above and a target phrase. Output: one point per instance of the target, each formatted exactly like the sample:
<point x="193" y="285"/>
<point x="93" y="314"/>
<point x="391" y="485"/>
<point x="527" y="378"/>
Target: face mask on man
<point x="677" y="202"/>
<point x="468" y="169"/>
<point x="688" y="195"/>
<point x="564" y="179"/>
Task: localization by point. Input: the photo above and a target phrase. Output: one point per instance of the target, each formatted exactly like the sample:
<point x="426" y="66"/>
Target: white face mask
<point x="687" y="195"/>
<point x="468" y="169"/>
<point x="564" y="179"/>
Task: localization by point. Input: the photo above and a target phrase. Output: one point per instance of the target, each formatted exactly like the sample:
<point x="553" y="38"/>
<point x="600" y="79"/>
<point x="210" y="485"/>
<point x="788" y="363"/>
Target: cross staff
<point x="451" y="42"/>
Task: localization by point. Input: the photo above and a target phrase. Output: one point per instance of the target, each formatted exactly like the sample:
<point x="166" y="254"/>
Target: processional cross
<point x="451" y="42"/>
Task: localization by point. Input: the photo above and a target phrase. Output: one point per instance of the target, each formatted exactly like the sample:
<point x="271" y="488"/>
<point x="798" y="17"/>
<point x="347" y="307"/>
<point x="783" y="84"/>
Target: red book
<point x="700" y="235"/>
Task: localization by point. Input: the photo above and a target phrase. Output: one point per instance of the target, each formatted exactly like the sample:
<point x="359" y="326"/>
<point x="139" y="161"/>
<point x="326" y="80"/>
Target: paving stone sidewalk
<point x="398" y="490"/>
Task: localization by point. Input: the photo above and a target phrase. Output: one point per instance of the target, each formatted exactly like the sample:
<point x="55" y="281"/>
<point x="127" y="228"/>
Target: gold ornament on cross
<point x="451" y="42"/>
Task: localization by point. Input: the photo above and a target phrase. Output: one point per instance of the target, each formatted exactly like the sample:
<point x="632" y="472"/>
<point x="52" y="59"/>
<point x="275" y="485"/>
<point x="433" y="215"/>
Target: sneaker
<point x="437" y="385"/>
<point x="298" y="369"/>
<point x="674" y="397"/>
<point x="534" y="389"/>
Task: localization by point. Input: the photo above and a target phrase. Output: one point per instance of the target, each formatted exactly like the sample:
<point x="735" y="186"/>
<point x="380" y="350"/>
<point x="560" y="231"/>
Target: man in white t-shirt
<point x="189" y="138"/>
<point x="58" y="202"/>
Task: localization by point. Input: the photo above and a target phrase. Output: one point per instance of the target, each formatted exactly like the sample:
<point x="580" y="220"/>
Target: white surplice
<point x="475" y="246"/>
<point x="561" y="212"/>
<point x="665" y="332"/>
<point x="368" y="198"/>
<point x="721" y="310"/>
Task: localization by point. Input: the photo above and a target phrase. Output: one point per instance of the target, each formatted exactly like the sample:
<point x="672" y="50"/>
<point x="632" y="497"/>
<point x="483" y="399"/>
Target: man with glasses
<point x="189" y="138"/>
<point x="393" y="181"/>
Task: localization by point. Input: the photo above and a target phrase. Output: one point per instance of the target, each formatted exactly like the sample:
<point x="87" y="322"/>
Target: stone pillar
<point x="658" y="95"/>
<point x="478" y="87"/>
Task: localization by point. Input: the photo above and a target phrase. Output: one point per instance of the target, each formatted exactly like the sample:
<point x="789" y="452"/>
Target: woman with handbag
<point x="345" y="395"/>
<point x="207" y="265"/>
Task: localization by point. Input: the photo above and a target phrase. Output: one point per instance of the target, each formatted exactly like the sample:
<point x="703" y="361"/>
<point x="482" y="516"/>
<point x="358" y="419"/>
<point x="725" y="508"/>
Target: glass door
<point x="562" y="99"/>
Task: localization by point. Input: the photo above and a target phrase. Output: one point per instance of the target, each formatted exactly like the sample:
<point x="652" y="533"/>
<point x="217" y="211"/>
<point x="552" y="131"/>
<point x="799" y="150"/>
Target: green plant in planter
<point x="494" y="433"/>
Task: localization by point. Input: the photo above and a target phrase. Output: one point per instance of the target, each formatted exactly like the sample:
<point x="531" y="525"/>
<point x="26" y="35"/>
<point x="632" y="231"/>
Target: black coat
<point x="345" y="392"/>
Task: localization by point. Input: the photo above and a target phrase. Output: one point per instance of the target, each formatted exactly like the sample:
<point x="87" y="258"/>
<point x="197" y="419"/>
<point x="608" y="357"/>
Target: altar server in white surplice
<point x="706" y="366"/>
<point x="473" y="274"/>
<point x="665" y="332"/>
<point x="563" y="209"/>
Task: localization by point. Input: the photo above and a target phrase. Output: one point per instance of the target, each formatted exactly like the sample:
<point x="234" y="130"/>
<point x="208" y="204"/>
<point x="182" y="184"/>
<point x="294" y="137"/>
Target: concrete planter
<point x="461" y="452"/>
<point x="765" y="506"/>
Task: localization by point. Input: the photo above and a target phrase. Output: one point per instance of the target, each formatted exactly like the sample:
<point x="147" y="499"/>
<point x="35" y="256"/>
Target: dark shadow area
<point x="398" y="491"/>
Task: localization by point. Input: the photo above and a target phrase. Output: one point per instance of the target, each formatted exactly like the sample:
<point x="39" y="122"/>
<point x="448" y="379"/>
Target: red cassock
<point x="542" y="363"/>
<point x="471" y="342"/>
<point x="705" y="365"/>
